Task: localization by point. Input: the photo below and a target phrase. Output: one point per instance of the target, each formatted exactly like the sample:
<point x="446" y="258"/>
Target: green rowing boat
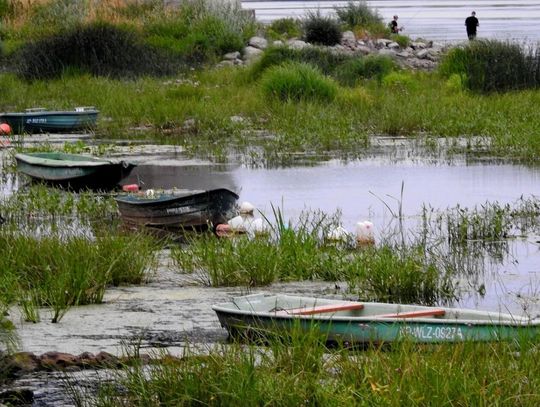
<point x="40" y="120"/>
<point x="357" y="322"/>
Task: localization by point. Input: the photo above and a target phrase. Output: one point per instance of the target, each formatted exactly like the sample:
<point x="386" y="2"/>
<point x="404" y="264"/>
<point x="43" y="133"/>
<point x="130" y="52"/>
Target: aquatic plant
<point x="404" y="374"/>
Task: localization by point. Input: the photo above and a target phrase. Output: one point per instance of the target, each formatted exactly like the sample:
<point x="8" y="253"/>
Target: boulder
<point x="251" y="54"/>
<point x="422" y="54"/>
<point x="258" y="42"/>
<point x="58" y="360"/>
<point x="297" y="44"/>
<point x="393" y="45"/>
<point x="231" y="56"/>
<point x="348" y="39"/>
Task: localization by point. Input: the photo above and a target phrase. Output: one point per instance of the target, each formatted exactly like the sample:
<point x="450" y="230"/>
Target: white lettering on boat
<point x="36" y="120"/>
<point x="430" y="332"/>
<point x="182" y="209"/>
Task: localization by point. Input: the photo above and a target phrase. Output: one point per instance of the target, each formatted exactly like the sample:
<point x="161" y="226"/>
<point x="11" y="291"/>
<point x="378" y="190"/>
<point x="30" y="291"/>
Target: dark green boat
<point x="40" y="120"/>
<point x="358" y="322"/>
<point x="73" y="171"/>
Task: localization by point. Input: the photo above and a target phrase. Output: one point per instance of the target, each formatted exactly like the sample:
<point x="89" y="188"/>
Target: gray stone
<point x="224" y="63"/>
<point x="404" y="54"/>
<point x="364" y="49"/>
<point x="297" y="44"/>
<point x="251" y="54"/>
<point x="348" y="39"/>
<point x="231" y="56"/>
<point x="277" y="43"/>
<point x="382" y="42"/>
<point x="387" y="51"/>
<point x="258" y="42"/>
<point x="418" y="45"/>
<point x="393" y="45"/>
<point x="422" y="54"/>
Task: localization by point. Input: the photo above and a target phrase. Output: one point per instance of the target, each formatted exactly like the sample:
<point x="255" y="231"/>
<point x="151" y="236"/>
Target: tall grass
<point x="494" y="66"/>
<point x="304" y="372"/>
<point x="357" y="14"/>
<point x="321" y="30"/>
<point x="295" y="82"/>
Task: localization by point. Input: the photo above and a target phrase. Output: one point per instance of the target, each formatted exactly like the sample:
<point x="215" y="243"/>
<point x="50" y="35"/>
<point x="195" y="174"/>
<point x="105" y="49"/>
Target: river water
<point x="441" y="20"/>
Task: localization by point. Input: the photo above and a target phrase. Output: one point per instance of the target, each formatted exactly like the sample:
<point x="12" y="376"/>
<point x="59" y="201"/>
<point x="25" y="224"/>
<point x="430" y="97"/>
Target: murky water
<point x="441" y="20"/>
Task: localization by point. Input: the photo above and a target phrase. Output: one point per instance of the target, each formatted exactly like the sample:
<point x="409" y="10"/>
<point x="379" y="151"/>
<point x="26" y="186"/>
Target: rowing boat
<point x="73" y="171"/>
<point x="359" y="322"/>
<point x="40" y="120"/>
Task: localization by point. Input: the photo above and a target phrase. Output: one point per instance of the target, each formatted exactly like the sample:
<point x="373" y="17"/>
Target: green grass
<point x="304" y="372"/>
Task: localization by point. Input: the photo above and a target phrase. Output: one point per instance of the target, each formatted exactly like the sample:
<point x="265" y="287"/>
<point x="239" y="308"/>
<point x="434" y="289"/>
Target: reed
<point x="404" y="374"/>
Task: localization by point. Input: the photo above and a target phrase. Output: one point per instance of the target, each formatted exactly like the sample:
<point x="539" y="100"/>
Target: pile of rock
<point x="422" y="55"/>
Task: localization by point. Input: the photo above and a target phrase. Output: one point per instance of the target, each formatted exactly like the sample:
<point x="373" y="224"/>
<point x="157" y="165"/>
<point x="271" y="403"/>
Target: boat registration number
<point x="430" y="332"/>
<point x="182" y="209"/>
<point x="34" y="120"/>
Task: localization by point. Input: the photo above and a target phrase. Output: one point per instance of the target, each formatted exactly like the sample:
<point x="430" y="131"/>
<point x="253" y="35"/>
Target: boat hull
<point x="340" y="328"/>
<point x="191" y="209"/>
<point x="73" y="171"/>
<point x="50" y="122"/>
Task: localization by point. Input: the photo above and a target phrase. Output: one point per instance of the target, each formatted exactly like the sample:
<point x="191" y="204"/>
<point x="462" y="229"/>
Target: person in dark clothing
<point x="471" y="23"/>
<point x="394" y="28"/>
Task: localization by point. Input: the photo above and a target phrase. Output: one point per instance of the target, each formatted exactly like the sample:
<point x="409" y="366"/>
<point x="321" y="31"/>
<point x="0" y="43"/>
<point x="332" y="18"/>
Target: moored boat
<point x="359" y="322"/>
<point x="179" y="209"/>
<point x="40" y="120"/>
<point x="74" y="171"/>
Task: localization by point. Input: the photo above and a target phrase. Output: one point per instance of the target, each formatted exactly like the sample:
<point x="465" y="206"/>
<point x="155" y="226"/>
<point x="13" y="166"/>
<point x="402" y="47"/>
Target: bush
<point x="324" y="59"/>
<point x="399" y="80"/>
<point x="99" y="49"/>
<point x="402" y="40"/>
<point x="321" y="30"/>
<point x="297" y="81"/>
<point x="372" y="66"/>
<point x="490" y="66"/>
<point x="358" y="14"/>
<point x="284" y="28"/>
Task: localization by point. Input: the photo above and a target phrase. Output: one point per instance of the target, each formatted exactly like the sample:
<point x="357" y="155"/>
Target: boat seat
<point x="322" y="309"/>
<point x="415" y="314"/>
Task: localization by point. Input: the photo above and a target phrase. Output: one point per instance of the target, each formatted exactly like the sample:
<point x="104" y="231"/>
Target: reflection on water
<point x="441" y="20"/>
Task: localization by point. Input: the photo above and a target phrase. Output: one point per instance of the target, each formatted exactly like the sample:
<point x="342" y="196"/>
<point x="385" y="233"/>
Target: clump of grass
<point x="322" y="58"/>
<point x="321" y="30"/>
<point x="494" y="66"/>
<point x="357" y="14"/>
<point x="100" y="49"/>
<point x="61" y="273"/>
<point x="405" y="374"/>
<point x="284" y="28"/>
<point x="295" y="82"/>
<point x="350" y="72"/>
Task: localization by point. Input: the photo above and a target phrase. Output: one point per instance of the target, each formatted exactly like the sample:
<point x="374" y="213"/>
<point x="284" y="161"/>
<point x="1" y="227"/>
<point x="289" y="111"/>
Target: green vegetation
<point x="494" y="66"/>
<point x="60" y="249"/>
<point x="294" y="81"/>
<point x="321" y="30"/>
<point x="357" y="14"/>
<point x="405" y="374"/>
<point x="284" y="28"/>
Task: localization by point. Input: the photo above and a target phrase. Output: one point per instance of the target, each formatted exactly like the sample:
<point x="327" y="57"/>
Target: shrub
<point x="358" y="14"/>
<point x="297" y="81"/>
<point x="372" y="66"/>
<point x="321" y="30"/>
<point x="284" y="28"/>
<point x="99" y="49"/>
<point x="402" y="40"/>
<point x="399" y="80"/>
<point x="324" y="59"/>
<point x="490" y="65"/>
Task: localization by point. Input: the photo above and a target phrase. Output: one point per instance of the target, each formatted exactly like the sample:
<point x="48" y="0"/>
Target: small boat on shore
<point x="179" y="209"/>
<point x="73" y="171"/>
<point x="41" y="120"/>
<point x="358" y="322"/>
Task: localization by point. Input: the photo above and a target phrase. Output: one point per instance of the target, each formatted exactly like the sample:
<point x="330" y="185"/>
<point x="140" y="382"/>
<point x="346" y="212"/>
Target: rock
<point x="418" y="45"/>
<point x="297" y="44"/>
<point x="224" y="63"/>
<point x="348" y="39"/>
<point x="12" y="366"/>
<point x="386" y="51"/>
<point x="251" y="54"/>
<point x="189" y="124"/>
<point x="17" y="397"/>
<point x="422" y="54"/>
<point x="58" y="360"/>
<point x="231" y="56"/>
<point x="382" y="42"/>
<point x="278" y="43"/>
<point x="107" y="359"/>
<point x="404" y="54"/>
<point x="258" y="42"/>
<point x="363" y="49"/>
<point x="393" y="45"/>
<point x="237" y="119"/>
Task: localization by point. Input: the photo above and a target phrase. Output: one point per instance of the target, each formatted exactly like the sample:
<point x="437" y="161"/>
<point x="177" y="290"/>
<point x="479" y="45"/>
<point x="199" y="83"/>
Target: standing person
<point x="394" y="28"/>
<point x="471" y="23"/>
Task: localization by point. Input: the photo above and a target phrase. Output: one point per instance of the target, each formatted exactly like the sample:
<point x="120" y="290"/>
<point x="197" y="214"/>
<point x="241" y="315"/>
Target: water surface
<point x="441" y="20"/>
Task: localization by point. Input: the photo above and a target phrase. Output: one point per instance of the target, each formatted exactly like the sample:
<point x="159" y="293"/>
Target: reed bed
<point x="302" y="371"/>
